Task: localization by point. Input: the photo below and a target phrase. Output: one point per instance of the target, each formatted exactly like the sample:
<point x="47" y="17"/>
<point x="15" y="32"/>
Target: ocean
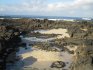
<point x="46" y="17"/>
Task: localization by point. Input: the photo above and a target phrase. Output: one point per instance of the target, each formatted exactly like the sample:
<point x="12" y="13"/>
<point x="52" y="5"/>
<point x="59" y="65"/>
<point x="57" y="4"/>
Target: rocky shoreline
<point x="80" y="32"/>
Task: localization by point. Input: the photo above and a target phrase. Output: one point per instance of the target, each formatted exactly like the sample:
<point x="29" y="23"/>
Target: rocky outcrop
<point x="80" y="32"/>
<point x="58" y="64"/>
<point x="9" y="45"/>
<point x="83" y="59"/>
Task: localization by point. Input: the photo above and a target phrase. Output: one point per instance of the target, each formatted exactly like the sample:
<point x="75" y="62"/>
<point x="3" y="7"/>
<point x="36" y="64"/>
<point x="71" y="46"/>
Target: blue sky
<point x="73" y="8"/>
<point x="20" y="1"/>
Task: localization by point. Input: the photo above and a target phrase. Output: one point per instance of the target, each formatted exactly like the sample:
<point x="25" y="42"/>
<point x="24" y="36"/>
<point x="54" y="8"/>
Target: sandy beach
<point x="42" y="59"/>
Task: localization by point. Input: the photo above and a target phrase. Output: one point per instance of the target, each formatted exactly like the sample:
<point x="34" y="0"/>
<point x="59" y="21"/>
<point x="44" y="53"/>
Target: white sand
<point x="84" y="29"/>
<point x="71" y="48"/>
<point x="63" y="32"/>
<point x="43" y="59"/>
<point x="53" y="31"/>
<point x="42" y="55"/>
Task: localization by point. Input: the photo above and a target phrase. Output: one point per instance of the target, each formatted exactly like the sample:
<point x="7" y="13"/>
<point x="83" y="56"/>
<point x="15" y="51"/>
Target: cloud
<point x="84" y="4"/>
<point x="73" y="8"/>
<point x="1" y="9"/>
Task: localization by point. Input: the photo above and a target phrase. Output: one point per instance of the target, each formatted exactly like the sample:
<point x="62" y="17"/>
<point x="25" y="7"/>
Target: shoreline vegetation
<point x="49" y="45"/>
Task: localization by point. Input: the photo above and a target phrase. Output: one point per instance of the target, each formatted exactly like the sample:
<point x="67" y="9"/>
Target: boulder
<point x="58" y="64"/>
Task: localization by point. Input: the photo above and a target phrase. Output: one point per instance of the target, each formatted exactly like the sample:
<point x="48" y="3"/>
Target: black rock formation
<point x="9" y="45"/>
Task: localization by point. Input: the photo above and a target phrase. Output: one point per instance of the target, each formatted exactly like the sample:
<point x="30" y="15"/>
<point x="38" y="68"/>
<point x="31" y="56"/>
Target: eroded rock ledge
<point x="83" y="59"/>
<point x="9" y="45"/>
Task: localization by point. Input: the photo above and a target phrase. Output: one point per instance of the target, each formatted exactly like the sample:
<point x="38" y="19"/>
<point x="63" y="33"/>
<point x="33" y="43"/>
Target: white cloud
<point x="84" y="4"/>
<point x="58" y="8"/>
<point x="1" y="9"/>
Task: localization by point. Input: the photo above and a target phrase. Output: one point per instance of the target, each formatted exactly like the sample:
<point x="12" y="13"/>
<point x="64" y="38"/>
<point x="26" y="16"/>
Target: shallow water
<point x="34" y="39"/>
